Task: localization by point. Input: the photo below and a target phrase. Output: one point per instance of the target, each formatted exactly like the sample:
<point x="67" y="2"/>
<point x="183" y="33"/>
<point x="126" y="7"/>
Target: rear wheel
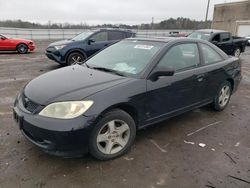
<point x="22" y="49"/>
<point x="75" y="58"/>
<point x="237" y="52"/>
<point x="113" y="135"/>
<point x="223" y="96"/>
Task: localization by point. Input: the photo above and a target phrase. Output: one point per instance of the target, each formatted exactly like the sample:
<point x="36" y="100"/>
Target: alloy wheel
<point x="237" y="52"/>
<point x="113" y="137"/>
<point x="224" y="96"/>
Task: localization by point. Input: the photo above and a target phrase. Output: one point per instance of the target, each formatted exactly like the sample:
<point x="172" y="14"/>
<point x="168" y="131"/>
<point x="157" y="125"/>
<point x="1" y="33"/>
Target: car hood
<point x="61" y="42"/>
<point x="70" y="83"/>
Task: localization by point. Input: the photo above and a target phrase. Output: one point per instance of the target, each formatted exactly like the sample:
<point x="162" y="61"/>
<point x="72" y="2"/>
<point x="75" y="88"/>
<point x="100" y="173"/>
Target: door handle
<point x="200" y="77"/>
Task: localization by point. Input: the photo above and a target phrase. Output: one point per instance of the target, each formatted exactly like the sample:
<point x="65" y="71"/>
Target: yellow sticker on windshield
<point x="143" y="47"/>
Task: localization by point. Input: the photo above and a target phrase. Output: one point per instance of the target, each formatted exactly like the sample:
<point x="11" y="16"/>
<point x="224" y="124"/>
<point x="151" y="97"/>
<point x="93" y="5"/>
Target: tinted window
<point x="225" y="37"/>
<point x="182" y="56"/>
<point x="210" y="55"/>
<point x="216" y="38"/>
<point x="116" y="35"/>
<point x="102" y="36"/>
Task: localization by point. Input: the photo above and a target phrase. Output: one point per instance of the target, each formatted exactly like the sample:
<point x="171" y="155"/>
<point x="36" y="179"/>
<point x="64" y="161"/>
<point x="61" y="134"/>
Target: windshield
<point x="200" y="35"/>
<point x="82" y="36"/>
<point x="127" y="57"/>
<point x="2" y="36"/>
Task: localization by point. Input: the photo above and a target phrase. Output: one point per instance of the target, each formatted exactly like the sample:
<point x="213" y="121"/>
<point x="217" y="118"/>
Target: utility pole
<point x="152" y="23"/>
<point x="208" y="4"/>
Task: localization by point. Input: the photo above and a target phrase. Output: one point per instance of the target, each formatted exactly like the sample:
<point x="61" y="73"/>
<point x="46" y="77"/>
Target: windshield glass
<point x="2" y="36"/>
<point x="82" y="35"/>
<point x="127" y="57"/>
<point x="200" y="35"/>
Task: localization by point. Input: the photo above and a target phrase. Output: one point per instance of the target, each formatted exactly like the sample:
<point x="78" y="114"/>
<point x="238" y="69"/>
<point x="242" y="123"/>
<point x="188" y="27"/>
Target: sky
<point x="94" y="12"/>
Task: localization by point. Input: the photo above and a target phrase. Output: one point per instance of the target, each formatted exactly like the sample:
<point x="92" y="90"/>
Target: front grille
<point x="29" y="105"/>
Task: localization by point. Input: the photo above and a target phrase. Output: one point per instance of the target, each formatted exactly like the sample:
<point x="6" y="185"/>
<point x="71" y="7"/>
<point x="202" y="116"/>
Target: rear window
<point x="225" y="37"/>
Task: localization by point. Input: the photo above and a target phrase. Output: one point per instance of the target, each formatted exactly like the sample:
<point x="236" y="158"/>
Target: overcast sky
<point x="104" y="11"/>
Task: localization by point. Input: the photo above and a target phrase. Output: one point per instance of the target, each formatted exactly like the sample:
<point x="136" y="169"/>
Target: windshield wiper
<point x="108" y="70"/>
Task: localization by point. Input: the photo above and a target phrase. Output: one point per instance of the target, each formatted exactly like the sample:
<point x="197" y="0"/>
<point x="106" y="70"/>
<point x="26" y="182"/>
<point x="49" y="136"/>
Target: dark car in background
<point x="84" y="45"/>
<point x="99" y="106"/>
<point x="231" y="45"/>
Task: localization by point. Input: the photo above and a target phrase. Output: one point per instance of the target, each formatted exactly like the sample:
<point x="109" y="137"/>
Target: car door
<point x="5" y="44"/>
<point x="214" y="64"/>
<point x="226" y="43"/>
<point x="100" y="41"/>
<point x="185" y="89"/>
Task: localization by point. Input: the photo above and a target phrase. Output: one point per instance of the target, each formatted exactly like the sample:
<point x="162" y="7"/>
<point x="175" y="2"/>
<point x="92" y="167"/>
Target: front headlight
<point x="66" y="110"/>
<point x="59" y="47"/>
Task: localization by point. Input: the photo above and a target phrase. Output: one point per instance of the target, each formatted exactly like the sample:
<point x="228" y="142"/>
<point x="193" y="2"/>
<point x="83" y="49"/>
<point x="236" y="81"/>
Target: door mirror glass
<point x="91" y="41"/>
<point x="215" y="42"/>
<point x="161" y="71"/>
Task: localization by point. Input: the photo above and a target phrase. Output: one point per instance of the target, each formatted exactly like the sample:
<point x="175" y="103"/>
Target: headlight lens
<point x="59" y="47"/>
<point x="66" y="110"/>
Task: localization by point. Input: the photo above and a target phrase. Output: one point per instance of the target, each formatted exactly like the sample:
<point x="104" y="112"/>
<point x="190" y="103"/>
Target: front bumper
<point x="54" y="55"/>
<point x="66" y="138"/>
<point x="32" y="47"/>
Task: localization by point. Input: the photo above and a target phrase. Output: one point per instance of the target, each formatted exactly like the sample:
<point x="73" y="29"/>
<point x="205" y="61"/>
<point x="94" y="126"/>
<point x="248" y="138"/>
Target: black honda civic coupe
<point x="98" y="107"/>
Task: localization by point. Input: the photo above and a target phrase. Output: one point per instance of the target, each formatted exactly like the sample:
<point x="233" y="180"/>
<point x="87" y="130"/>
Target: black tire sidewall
<point x="20" y="52"/>
<point x="217" y="106"/>
<point x="111" y="115"/>
<point x="74" y="54"/>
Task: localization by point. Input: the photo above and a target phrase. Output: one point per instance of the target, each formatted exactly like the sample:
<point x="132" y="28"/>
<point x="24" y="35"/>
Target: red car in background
<point x="22" y="46"/>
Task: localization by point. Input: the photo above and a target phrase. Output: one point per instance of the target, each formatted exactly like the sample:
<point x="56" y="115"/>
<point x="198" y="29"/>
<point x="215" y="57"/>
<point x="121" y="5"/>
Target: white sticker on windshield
<point x="143" y="47"/>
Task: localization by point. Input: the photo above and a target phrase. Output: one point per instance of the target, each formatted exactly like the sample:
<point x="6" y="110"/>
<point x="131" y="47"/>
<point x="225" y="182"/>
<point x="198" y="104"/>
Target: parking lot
<point x="166" y="155"/>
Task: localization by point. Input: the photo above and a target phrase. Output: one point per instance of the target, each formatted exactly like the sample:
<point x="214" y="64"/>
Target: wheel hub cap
<point x="224" y="96"/>
<point x="113" y="137"/>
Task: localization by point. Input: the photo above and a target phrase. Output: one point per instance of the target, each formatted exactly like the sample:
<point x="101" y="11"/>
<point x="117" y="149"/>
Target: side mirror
<point x="91" y="41"/>
<point x="160" y="71"/>
<point x="215" y="42"/>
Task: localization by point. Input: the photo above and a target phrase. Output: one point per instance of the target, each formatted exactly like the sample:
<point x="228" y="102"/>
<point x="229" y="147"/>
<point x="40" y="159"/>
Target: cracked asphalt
<point x="168" y="154"/>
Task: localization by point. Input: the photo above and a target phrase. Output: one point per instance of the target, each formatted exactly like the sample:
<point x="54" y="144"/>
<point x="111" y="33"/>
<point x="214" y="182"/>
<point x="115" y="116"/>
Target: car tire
<point x="113" y="135"/>
<point x="237" y="52"/>
<point x="223" y="96"/>
<point x="22" y="48"/>
<point x="75" y="58"/>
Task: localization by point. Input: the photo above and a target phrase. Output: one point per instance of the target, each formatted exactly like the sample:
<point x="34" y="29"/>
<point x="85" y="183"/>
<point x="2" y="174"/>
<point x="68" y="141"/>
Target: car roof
<point x="211" y="31"/>
<point x="166" y="39"/>
<point x="115" y="29"/>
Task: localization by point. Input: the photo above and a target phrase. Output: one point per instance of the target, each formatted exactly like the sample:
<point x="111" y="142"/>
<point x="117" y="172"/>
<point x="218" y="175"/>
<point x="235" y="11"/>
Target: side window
<point x="210" y="55"/>
<point x="216" y="38"/>
<point x="116" y="35"/>
<point x="225" y="37"/>
<point x="182" y="56"/>
<point x="102" y="36"/>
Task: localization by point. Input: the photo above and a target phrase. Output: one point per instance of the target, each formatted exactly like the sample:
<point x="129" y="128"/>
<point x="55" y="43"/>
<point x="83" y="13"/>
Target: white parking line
<point x="203" y="128"/>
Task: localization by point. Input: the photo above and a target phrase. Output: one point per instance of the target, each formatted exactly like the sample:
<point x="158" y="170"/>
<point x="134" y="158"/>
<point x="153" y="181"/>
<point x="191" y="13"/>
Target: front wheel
<point x="223" y="96"/>
<point x="75" y="58"/>
<point x="113" y="135"/>
<point x="237" y="52"/>
<point x="22" y="49"/>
